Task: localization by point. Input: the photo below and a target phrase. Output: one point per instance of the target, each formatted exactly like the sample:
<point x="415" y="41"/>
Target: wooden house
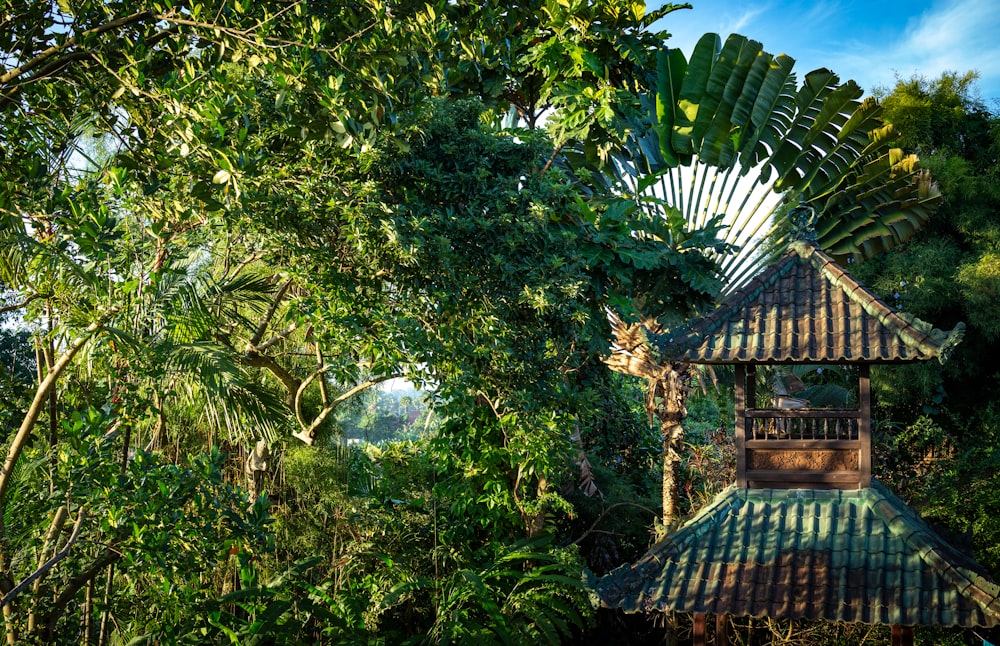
<point x="806" y="532"/>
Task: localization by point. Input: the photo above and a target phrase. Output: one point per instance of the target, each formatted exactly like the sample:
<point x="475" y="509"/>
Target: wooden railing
<point x="801" y="447"/>
<point x="802" y="424"/>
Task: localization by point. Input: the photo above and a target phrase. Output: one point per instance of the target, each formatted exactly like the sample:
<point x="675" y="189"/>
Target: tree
<point x="730" y="126"/>
<point x="942" y="422"/>
<point x="957" y="137"/>
<point x="142" y="253"/>
<point x="241" y="256"/>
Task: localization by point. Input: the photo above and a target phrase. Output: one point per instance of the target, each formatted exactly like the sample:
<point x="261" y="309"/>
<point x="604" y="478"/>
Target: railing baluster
<point x="799" y="424"/>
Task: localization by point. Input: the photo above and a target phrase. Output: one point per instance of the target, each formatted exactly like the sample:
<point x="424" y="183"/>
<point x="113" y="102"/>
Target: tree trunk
<point x="666" y="400"/>
<point x="105" y="627"/>
<point x="88" y="611"/>
<point x="535" y="523"/>
<point x="17" y="445"/>
<point x="256" y="467"/>
<point x="50" y="358"/>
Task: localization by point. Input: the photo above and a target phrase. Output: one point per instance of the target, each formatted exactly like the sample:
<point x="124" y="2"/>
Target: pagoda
<point x="805" y="532"/>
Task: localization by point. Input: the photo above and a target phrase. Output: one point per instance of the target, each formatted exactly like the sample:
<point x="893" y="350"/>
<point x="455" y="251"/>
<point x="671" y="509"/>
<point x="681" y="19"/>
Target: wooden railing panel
<point x="802" y="425"/>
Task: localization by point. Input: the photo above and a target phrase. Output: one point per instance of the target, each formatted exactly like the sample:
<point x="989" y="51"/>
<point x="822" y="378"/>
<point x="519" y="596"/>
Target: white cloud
<point x="865" y="40"/>
<point x="955" y="36"/>
<point x="738" y="24"/>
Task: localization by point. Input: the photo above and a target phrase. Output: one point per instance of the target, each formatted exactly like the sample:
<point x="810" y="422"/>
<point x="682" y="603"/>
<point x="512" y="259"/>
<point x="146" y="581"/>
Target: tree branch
<point x="280" y="336"/>
<point x="106" y="558"/>
<point x="278" y="297"/>
<point x="43" y="568"/>
<point x="41" y="394"/>
<point x="308" y="434"/>
<point x="604" y="513"/>
<point x="22" y="304"/>
<point x="290" y="381"/>
<point x="72" y="41"/>
<point x="247" y="35"/>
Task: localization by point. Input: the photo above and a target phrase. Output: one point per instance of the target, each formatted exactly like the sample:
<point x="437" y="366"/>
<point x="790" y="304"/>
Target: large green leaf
<point x="735" y="111"/>
<point x="693" y="93"/>
<point x="670" y="68"/>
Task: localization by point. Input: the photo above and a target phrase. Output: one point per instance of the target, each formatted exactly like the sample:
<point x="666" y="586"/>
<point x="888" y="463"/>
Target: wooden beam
<point x="803" y="475"/>
<point x="721" y="630"/>
<point x="803" y="444"/>
<point x="844" y="480"/>
<point x="805" y="413"/>
<point x="902" y="635"/>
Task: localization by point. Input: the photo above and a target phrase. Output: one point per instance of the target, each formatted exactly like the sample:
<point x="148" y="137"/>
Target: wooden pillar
<point x="741" y="420"/>
<point x="902" y="635"/>
<point x="698" y="630"/>
<point x="865" y="430"/>
<point x="721" y="630"/>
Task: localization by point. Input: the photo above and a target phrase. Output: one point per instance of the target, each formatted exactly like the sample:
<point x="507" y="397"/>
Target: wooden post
<point x="698" y="630"/>
<point x="721" y="630"/>
<point x="865" y="428"/>
<point x="902" y="635"/>
<point x="741" y="420"/>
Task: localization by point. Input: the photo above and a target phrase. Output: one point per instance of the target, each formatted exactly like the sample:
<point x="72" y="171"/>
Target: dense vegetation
<point x="223" y="225"/>
<point x="941" y="423"/>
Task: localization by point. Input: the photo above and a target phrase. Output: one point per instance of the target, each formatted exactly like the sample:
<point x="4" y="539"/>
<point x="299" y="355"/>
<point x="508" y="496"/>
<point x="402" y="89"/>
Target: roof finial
<point x="803" y="218"/>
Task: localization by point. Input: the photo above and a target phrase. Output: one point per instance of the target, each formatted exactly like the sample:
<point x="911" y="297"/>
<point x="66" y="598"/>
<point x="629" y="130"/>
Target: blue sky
<point x="869" y="41"/>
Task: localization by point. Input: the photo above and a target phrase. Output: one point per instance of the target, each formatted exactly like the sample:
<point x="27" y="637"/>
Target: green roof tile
<point x="854" y="556"/>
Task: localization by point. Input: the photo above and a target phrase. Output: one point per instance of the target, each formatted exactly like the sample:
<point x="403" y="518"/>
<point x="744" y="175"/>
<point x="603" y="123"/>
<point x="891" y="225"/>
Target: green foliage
<point x="937" y="471"/>
<point x="273" y="215"/>
<point x="979" y="281"/>
<point x="709" y="460"/>
<point x="17" y="370"/>
<point x="388" y="415"/>
<point x="524" y="596"/>
<point x="945" y="275"/>
<point x="579" y="66"/>
<point x="165" y="527"/>
<point x="731" y="137"/>
<point x="938" y="446"/>
<point x="397" y="566"/>
<point x="286" y="609"/>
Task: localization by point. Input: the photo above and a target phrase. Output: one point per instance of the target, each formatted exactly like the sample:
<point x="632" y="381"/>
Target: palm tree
<point x="732" y="140"/>
<point x="732" y="136"/>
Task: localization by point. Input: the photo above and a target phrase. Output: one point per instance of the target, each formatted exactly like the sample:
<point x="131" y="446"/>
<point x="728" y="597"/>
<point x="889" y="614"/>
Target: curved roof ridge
<point x="946" y="560"/>
<point x="905" y="324"/>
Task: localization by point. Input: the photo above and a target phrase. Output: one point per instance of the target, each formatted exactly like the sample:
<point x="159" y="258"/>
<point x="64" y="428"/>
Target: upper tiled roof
<point x="853" y="556"/>
<point x="805" y="308"/>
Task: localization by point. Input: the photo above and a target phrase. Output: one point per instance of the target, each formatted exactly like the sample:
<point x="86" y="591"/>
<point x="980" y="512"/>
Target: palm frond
<point x="739" y="139"/>
<point x="229" y="397"/>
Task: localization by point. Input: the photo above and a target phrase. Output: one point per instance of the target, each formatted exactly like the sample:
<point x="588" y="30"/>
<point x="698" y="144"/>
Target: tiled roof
<point x="805" y="308"/>
<point x="852" y="556"/>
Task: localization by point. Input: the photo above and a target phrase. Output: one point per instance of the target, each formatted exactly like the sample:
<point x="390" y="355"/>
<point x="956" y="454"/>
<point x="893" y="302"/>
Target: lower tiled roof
<point x="854" y="556"/>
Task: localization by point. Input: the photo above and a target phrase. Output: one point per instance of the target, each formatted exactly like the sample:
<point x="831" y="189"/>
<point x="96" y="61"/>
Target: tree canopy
<point x="223" y="221"/>
<point x="942" y="420"/>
